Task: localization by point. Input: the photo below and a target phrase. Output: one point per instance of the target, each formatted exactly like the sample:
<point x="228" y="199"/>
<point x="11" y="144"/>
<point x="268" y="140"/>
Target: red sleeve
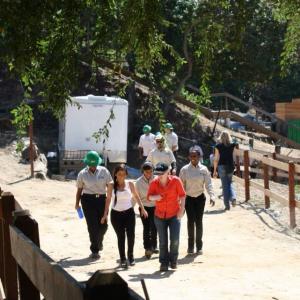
<point x="152" y="189"/>
<point x="180" y="189"/>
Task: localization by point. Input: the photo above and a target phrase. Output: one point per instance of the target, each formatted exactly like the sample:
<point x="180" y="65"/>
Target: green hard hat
<point x="168" y="125"/>
<point x="146" y="128"/>
<point x="92" y="159"/>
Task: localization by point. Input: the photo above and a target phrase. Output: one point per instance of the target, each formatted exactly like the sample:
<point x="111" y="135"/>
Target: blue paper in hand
<point x="80" y="212"/>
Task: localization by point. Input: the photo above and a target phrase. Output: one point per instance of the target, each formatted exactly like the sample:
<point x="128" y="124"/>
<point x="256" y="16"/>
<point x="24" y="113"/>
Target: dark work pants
<point x="93" y="208"/>
<point x="123" y="223"/>
<point x="149" y="229"/>
<point x="194" y="209"/>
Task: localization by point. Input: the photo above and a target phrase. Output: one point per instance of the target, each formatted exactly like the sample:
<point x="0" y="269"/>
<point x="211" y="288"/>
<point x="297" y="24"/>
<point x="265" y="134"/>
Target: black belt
<point x="94" y="195"/>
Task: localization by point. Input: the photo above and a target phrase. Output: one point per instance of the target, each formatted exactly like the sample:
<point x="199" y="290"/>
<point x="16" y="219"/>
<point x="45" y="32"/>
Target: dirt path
<point x="248" y="252"/>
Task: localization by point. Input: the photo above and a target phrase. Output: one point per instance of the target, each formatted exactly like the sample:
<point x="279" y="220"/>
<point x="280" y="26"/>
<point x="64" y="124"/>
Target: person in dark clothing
<point x="224" y="166"/>
<point x="149" y="229"/>
<point x="92" y="182"/>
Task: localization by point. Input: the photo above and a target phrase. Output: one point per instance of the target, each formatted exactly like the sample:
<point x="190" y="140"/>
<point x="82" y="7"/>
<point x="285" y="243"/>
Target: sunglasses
<point x="159" y="142"/>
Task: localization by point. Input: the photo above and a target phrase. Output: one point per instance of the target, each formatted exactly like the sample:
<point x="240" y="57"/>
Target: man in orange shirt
<point x="168" y="193"/>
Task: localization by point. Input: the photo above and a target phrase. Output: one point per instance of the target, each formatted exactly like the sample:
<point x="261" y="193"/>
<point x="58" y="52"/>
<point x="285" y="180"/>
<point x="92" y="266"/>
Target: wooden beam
<point x="276" y="197"/>
<point x="30" y="228"/>
<point x="50" y="279"/>
<point x="275" y="164"/>
<point x="257" y="185"/>
<point x="7" y="206"/>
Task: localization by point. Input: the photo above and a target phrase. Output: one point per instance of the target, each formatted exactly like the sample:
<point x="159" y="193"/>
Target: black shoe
<point x="227" y="208"/>
<point x="123" y="264"/>
<point x="163" y="268"/>
<point x="148" y="253"/>
<point x="190" y="250"/>
<point x="101" y="247"/>
<point x="173" y="265"/>
<point x="131" y="261"/>
<point x="94" y="256"/>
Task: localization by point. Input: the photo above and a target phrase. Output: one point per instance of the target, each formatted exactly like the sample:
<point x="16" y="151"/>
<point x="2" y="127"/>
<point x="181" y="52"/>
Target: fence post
<point x="246" y="175"/>
<point x="30" y="228"/>
<point x="274" y="170"/>
<point x="238" y="165"/>
<point x="7" y="206"/>
<point x="292" y="201"/>
<point x="266" y="183"/>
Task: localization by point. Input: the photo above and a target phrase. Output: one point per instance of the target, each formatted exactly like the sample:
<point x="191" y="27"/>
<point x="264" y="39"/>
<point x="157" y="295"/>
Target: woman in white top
<point x="121" y="192"/>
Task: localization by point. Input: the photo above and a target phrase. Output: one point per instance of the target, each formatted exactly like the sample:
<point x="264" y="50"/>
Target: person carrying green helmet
<point x="92" y="182"/>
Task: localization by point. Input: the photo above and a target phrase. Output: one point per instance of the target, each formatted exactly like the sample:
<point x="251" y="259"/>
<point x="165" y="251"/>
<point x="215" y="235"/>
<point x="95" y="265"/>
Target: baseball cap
<point x="161" y="168"/>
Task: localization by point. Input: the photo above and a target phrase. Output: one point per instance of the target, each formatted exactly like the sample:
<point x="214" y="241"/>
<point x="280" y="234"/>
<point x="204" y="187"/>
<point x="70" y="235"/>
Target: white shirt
<point x="124" y="198"/>
<point x="172" y="140"/>
<point x="166" y="156"/>
<point x="194" y="179"/>
<point x="147" y="142"/>
<point x="93" y="183"/>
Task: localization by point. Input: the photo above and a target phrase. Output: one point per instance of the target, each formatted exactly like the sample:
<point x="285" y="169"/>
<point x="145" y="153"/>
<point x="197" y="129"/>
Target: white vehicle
<point x="79" y="124"/>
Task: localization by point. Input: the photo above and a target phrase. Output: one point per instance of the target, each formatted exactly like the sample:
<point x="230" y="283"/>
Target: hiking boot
<point x="94" y="256"/>
<point x="163" y="268"/>
<point x="173" y="265"/>
<point x="123" y="264"/>
<point x="131" y="261"/>
<point x="148" y="253"/>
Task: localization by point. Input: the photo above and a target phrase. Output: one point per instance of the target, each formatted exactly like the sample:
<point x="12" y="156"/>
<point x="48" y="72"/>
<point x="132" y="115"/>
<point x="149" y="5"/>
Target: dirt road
<point x="248" y="252"/>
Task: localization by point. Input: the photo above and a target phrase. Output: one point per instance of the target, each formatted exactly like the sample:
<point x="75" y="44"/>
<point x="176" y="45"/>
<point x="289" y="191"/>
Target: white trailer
<point x="79" y="124"/>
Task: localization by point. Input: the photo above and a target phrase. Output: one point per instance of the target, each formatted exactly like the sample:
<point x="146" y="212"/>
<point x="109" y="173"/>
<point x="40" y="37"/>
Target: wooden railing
<point x="290" y="169"/>
<point x="26" y="271"/>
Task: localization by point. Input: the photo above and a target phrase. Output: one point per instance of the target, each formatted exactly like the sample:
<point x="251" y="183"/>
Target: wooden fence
<point x="269" y="170"/>
<point x="26" y="271"/>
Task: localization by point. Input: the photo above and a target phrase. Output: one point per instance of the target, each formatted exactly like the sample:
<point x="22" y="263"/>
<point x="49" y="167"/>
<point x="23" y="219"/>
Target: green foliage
<point x="288" y="12"/>
<point x="103" y="133"/>
<point x="232" y="45"/>
<point x="22" y="116"/>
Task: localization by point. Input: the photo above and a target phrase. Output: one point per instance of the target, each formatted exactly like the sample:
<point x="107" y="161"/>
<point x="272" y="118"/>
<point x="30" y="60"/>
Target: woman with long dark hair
<point x="121" y="193"/>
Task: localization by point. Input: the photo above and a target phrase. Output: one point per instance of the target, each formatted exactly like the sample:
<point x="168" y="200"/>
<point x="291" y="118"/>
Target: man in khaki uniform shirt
<point x="92" y="182"/>
<point x="194" y="177"/>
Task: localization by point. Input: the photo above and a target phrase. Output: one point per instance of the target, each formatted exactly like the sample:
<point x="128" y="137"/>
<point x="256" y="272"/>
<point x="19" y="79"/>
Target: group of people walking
<point x="162" y="197"/>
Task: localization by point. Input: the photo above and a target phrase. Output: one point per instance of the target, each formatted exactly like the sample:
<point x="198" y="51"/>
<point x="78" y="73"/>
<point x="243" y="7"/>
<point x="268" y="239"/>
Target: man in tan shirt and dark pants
<point x="92" y="182"/>
<point x="195" y="177"/>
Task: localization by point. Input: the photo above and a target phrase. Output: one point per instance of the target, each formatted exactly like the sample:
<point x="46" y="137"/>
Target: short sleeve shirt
<point x="165" y="156"/>
<point x="147" y="142"/>
<point x="226" y="154"/>
<point x="168" y="206"/>
<point x="172" y="140"/>
<point x="93" y="183"/>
